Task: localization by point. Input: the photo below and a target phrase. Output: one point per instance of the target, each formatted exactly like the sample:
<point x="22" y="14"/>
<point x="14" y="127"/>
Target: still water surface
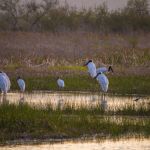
<point x="76" y="99"/>
<point x="130" y="144"/>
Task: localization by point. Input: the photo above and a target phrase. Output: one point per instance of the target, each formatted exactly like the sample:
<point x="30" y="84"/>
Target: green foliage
<point x="138" y="7"/>
<point x="47" y="17"/>
<point x="118" y="84"/>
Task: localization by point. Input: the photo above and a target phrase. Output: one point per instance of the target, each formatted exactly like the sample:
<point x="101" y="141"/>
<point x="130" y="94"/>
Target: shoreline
<point x="80" y="92"/>
<point x="54" y="140"/>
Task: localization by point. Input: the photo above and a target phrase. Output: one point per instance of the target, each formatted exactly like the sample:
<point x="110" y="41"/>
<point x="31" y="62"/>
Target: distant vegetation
<point x="40" y="41"/>
<point x="50" y="16"/>
<point x="66" y="37"/>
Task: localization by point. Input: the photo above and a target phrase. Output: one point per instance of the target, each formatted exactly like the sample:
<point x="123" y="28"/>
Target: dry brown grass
<point x="36" y="52"/>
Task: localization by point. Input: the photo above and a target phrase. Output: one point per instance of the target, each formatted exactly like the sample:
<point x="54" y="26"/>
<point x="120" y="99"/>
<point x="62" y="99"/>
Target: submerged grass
<point x="118" y="84"/>
<point x="24" y="121"/>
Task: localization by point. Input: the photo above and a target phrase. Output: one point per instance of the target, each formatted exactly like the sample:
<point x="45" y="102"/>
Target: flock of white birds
<point x="5" y="83"/>
<point x="98" y="74"/>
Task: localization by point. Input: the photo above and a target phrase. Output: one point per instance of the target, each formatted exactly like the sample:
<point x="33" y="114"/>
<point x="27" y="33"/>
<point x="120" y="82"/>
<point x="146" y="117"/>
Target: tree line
<point x="48" y="15"/>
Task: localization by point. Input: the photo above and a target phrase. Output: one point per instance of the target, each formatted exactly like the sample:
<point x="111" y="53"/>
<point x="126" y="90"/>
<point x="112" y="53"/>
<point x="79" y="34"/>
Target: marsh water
<point x="123" y="144"/>
<point x="76" y="99"/>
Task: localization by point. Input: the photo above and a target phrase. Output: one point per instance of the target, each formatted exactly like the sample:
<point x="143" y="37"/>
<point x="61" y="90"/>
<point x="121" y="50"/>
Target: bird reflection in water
<point x="103" y="104"/>
<point x="21" y="100"/>
<point x="3" y="99"/>
<point x="60" y="104"/>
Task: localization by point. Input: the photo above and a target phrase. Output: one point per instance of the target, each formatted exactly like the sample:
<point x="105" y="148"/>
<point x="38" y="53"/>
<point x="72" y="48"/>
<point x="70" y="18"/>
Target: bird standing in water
<point x="7" y="80"/>
<point x="4" y="85"/>
<point x="104" y="83"/>
<point x="22" y="86"/>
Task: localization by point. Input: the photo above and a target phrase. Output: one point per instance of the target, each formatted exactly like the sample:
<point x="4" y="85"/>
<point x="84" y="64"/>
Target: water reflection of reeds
<point x="88" y="102"/>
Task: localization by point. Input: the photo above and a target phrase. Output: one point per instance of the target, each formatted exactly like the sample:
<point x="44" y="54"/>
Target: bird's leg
<point x="23" y="96"/>
<point x="101" y="99"/>
<point x="20" y="95"/>
<point x="4" y="98"/>
<point x="101" y="96"/>
<point x="1" y="96"/>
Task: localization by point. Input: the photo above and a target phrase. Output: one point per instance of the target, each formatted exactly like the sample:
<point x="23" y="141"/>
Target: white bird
<point x="104" y="70"/>
<point x="8" y="84"/>
<point x="21" y="84"/>
<point x="91" y="68"/>
<point x="3" y="83"/>
<point x="60" y="83"/>
<point x="103" y="81"/>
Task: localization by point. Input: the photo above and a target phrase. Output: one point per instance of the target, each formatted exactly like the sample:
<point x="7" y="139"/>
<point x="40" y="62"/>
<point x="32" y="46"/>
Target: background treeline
<point x="48" y="15"/>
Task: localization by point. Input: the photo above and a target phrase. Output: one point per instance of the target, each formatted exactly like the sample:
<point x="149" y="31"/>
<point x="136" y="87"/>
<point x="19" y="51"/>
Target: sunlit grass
<point x="118" y="84"/>
<point x="12" y="66"/>
<point x="72" y="68"/>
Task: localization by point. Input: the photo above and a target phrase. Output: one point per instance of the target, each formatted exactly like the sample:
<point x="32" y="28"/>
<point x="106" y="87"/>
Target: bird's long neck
<point x="97" y="75"/>
<point x="87" y="63"/>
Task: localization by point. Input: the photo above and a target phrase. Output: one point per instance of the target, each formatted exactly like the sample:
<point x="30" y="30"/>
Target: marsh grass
<point x="71" y="68"/>
<point x="26" y="122"/>
<point x="98" y="109"/>
<point x="118" y="84"/>
<point x="68" y="50"/>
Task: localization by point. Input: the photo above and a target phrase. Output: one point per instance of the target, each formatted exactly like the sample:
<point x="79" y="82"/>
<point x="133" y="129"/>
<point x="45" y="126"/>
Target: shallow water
<point x="124" y="144"/>
<point x="76" y="99"/>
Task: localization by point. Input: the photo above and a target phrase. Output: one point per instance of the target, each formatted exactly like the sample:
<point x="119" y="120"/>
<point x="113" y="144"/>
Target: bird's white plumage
<point x="21" y="84"/>
<point x="92" y="69"/>
<point x="103" y="81"/>
<point x="8" y="81"/>
<point x="3" y="83"/>
<point x="61" y="83"/>
<point x="102" y="69"/>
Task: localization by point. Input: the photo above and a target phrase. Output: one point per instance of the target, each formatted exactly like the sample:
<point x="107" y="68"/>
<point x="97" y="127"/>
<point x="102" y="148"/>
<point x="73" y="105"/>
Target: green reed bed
<point x="133" y="110"/>
<point x="26" y="122"/>
<point x="118" y="84"/>
<point x="127" y="110"/>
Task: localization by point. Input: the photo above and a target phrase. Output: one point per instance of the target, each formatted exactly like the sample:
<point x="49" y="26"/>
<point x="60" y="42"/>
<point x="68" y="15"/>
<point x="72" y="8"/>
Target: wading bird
<point x="8" y="84"/>
<point x="104" y="70"/>
<point x="21" y="84"/>
<point x="104" y="83"/>
<point x="60" y="83"/>
<point x="3" y="84"/>
<point x="91" y="68"/>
